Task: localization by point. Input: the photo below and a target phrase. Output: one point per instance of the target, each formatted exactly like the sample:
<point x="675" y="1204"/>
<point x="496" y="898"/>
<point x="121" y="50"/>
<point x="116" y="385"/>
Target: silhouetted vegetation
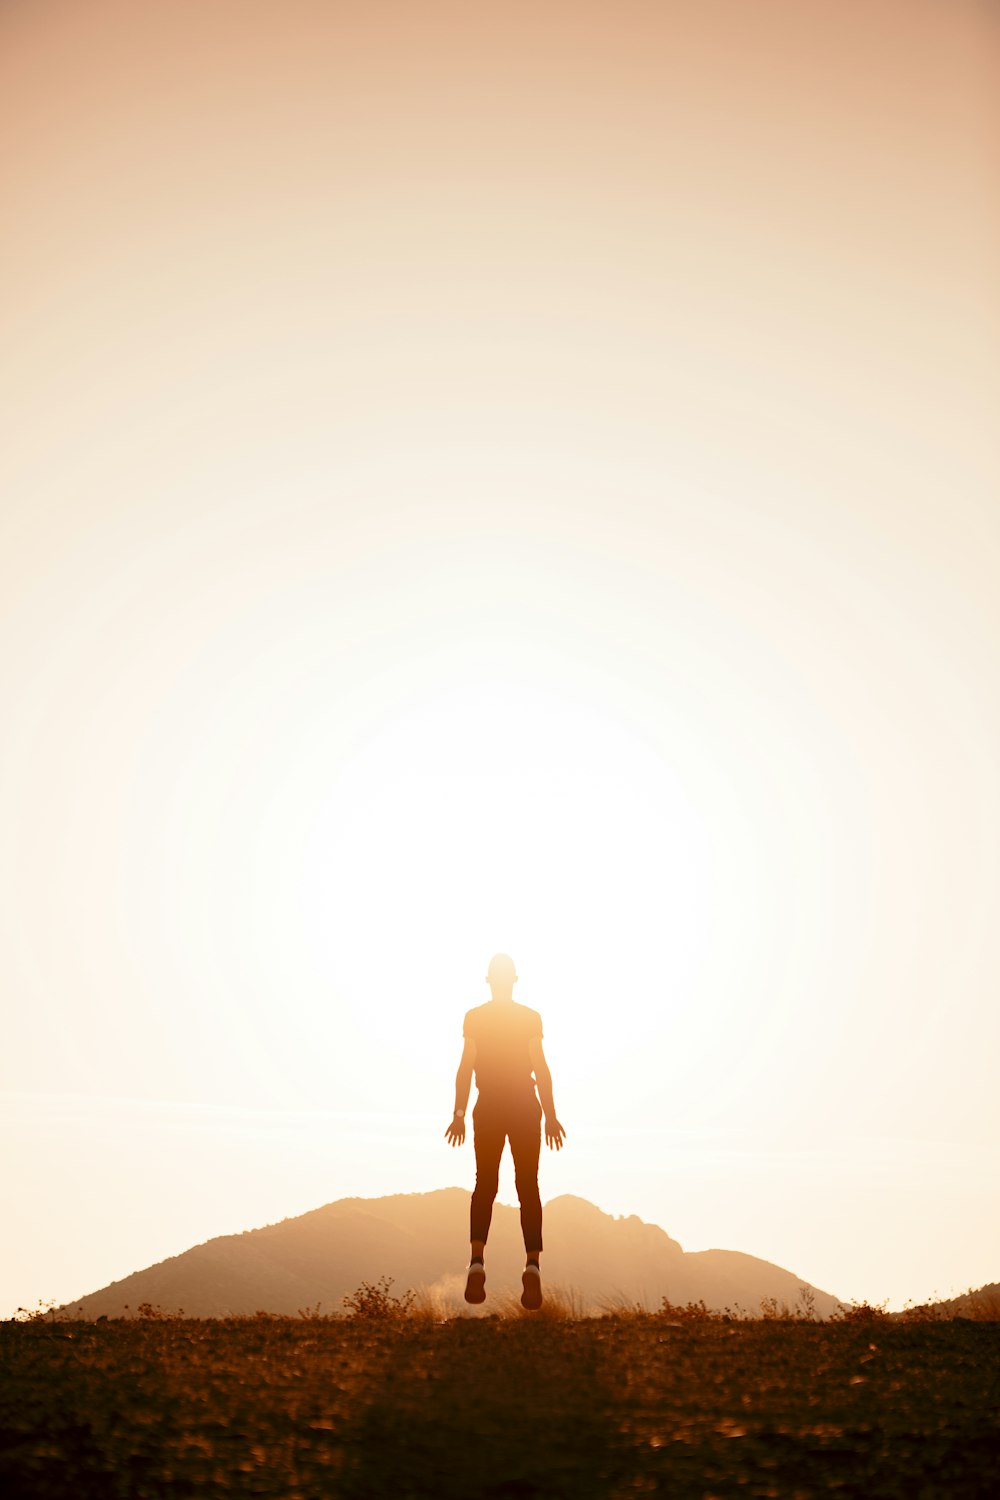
<point x="389" y="1400"/>
<point x="373" y="1302"/>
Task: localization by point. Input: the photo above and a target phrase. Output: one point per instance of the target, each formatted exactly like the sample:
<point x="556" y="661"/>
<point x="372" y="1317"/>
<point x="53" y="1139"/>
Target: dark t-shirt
<point x="501" y="1030"/>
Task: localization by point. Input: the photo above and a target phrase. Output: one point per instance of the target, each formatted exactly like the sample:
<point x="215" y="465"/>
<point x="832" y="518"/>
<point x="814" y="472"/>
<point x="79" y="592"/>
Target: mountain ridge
<point x="419" y="1240"/>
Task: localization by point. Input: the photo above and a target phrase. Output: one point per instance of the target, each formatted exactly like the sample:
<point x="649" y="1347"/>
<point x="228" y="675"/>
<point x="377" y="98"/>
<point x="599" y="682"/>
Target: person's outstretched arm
<point x="455" y="1134"/>
<point x="554" y="1133"/>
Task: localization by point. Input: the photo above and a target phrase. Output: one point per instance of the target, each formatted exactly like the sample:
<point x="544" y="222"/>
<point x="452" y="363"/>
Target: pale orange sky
<point x="501" y="477"/>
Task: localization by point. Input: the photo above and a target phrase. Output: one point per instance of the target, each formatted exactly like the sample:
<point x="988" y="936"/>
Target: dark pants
<point x="494" y="1123"/>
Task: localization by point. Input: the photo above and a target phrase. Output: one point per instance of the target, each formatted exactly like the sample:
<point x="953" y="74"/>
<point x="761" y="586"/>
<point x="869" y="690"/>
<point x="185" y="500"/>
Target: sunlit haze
<point x="501" y="477"/>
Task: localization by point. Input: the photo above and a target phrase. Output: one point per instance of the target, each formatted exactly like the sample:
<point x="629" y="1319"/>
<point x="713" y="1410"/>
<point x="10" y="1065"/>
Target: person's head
<point x="501" y="976"/>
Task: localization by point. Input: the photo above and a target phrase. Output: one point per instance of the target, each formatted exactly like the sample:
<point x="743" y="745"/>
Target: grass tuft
<point x="558" y="1306"/>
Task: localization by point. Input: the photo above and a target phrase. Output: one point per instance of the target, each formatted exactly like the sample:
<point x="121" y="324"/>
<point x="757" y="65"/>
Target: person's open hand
<point x="455" y="1134"/>
<point x="554" y="1135"/>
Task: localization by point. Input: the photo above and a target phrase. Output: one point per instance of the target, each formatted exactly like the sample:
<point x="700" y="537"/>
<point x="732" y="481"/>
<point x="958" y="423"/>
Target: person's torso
<point x="502" y="1031"/>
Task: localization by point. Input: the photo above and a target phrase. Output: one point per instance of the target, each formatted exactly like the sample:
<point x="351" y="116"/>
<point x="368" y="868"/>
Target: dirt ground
<point x="498" y="1408"/>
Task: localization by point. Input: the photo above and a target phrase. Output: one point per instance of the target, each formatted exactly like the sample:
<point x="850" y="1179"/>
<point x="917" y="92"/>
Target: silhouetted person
<point x="503" y="1043"/>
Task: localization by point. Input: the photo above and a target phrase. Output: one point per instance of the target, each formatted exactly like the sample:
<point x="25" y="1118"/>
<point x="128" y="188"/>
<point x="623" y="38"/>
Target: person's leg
<point x="525" y="1145"/>
<point x="489" y="1138"/>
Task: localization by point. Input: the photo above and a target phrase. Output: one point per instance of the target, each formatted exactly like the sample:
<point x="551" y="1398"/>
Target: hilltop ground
<point x="517" y="1407"/>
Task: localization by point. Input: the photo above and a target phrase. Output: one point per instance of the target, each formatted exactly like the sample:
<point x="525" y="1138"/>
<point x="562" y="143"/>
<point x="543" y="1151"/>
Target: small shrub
<point x="45" y="1312"/>
<point x="311" y="1314"/>
<point x="151" y="1313"/>
<point x="688" y="1312"/>
<point x="807" y="1304"/>
<point x="860" y="1312"/>
<point x="374" y="1303"/>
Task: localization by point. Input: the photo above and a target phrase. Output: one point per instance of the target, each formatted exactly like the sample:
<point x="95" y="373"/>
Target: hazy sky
<point x="519" y="477"/>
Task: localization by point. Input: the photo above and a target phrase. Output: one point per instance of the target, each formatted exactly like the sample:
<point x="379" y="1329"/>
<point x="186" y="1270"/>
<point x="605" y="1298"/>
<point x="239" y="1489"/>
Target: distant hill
<point x="981" y="1304"/>
<point x="421" y="1241"/>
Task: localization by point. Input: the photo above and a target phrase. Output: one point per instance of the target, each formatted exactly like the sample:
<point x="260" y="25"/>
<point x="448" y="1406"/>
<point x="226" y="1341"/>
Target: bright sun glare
<point x="504" y="817"/>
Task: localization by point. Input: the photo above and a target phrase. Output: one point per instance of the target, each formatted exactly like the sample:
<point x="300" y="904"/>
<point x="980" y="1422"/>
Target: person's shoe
<point x="531" y="1283"/>
<point x="475" y="1282"/>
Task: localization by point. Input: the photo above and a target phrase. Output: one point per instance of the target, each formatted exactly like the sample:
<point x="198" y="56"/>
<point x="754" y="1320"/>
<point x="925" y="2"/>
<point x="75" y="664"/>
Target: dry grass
<point x="444" y="1301"/>
<point x="478" y="1409"/>
<point x="558" y="1306"/>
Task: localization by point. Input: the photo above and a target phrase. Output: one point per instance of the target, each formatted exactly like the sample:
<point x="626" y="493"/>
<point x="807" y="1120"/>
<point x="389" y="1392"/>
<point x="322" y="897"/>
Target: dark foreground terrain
<point x="498" y="1408"/>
